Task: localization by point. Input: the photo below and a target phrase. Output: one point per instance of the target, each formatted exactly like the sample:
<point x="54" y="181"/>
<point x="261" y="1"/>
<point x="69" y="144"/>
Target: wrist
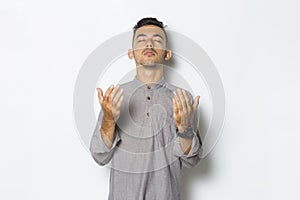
<point x="180" y="129"/>
<point x="185" y="132"/>
<point x="108" y="119"/>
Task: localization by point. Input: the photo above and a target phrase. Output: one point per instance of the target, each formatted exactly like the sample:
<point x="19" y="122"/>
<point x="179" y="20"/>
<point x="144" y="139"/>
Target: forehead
<point x="149" y="30"/>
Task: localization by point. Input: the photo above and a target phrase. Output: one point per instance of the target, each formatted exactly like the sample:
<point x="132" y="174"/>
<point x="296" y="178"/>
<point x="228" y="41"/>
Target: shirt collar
<point x="160" y="83"/>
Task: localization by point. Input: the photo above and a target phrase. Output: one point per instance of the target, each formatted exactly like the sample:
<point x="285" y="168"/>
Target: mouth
<point x="149" y="53"/>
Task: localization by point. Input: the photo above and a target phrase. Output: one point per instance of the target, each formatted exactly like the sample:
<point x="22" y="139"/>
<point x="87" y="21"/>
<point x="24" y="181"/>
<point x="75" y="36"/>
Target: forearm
<point x="107" y="131"/>
<point x="186" y="144"/>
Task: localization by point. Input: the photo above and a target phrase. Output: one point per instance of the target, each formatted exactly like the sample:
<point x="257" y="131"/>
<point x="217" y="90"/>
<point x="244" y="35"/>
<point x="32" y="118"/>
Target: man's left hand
<point x="183" y="110"/>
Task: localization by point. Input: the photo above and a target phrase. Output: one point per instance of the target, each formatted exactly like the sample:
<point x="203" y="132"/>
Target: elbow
<point x="101" y="158"/>
<point x="190" y="162"/>
<point x="98" y="161"/>
<point x="97" y="157"/>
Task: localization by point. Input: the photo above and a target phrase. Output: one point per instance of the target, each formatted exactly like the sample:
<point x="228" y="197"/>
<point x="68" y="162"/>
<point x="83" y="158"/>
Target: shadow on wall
<point x="193" y="176"/>
<point x="204" y="168"/>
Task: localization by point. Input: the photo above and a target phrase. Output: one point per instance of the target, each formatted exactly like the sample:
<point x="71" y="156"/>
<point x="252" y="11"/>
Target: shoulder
<point x="175" y="87"/>
<point x="127" y="85"/>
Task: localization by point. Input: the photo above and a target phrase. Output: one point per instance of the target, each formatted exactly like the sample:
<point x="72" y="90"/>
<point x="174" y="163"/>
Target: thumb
<point x="100" y="95"/>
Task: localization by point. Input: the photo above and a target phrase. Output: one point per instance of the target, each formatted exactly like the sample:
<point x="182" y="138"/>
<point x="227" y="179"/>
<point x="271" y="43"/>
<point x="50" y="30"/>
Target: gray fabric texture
<point x="146" y="157"/>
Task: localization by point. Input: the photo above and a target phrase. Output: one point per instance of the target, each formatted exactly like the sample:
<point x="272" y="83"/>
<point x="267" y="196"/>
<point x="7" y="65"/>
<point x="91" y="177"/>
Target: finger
<point x="119" y="103"/>
<point x="178" y="101"/>
<point x="187" y="100"/>
<point x="100" y="95"/>
<point x="196" y="103"/>
<point x="107" y="93"/>
<point x="175" y="106"/>
<point x="114" y="92"/>
<point x="117" y="96"/>
<point x="176" y="116"/>
<point x="182" y="100"/>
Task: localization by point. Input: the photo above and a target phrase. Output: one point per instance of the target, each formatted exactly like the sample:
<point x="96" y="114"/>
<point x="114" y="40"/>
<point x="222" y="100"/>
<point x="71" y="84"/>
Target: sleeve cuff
<point x="101" y="146"/>
<point x="193" y="151"/>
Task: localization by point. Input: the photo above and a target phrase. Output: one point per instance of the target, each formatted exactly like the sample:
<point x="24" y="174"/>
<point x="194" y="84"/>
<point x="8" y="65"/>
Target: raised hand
<point x="111" y="102"/>
<point x="182" y="109"/>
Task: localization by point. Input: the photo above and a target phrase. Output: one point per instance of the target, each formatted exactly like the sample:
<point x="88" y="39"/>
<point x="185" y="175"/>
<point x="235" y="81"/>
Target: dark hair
<point x="149" y="21"/>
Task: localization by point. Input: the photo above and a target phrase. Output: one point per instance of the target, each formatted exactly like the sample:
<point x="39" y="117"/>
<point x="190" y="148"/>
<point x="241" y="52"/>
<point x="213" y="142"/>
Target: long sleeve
<point x="98" y="149"/>
<point x="193" y="157"/>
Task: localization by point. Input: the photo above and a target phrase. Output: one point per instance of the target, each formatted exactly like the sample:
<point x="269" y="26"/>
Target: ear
<point x="168" y="54"/>
<point x="130" y="53"/>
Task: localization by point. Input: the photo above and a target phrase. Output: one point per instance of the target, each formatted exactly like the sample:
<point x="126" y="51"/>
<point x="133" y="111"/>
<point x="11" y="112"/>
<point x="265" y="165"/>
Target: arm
<point x="107" y="131"/>
<point x="106" y="136"/>
<point x="191" y="158"/>
<point x="187" y="146"/>
<point x="100" y="151"/>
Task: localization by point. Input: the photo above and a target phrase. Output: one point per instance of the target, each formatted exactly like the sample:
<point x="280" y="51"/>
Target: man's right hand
<point x="111" y="102"/>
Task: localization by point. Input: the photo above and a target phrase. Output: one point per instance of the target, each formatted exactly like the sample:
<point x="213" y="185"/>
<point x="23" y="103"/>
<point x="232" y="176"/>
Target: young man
<point x="147" y="127"/>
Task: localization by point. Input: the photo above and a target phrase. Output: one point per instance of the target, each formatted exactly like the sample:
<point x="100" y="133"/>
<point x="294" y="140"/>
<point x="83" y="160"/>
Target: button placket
<point x="148" y="101"/>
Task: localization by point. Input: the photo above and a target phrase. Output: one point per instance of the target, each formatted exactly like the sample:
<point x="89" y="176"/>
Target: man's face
<point x="149" y="46"/>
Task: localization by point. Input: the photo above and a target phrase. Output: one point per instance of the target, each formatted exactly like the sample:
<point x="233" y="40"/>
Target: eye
<point x="141" y="40"/>
<point x="157" y="41"/>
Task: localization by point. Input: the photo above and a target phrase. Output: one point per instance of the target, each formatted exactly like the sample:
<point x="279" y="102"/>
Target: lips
<point x="149" y="53"/>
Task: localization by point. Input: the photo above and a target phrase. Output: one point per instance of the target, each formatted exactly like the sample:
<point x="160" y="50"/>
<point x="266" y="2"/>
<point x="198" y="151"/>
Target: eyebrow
<point x="157" y="35"/>
<point x="144" y="35"/>
<point x="140" y="35"/>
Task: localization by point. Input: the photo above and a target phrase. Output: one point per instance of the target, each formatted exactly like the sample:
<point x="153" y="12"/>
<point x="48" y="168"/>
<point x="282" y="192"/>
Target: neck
<point x="149" y="74"/>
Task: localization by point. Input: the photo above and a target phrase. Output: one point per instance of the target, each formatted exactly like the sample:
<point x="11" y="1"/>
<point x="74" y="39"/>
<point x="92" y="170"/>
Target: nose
<point x="149" y="44"/>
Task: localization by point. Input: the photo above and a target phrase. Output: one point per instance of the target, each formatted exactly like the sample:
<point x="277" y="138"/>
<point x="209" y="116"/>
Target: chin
<point x="152" y="65"/>
<point x="149" y="64"/>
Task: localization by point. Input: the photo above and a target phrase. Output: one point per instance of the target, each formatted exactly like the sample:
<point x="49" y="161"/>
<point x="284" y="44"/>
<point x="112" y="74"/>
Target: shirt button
<point x="148" y="114"/>
<point x="148" y="98"/>
<point x="149" y="87"/>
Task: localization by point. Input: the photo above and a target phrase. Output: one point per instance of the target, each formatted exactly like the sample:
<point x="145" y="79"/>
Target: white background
<point x="254" y="45"/>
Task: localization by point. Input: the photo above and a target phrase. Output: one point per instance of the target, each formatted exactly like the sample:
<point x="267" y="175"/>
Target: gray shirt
<point x="146" y="157"/>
